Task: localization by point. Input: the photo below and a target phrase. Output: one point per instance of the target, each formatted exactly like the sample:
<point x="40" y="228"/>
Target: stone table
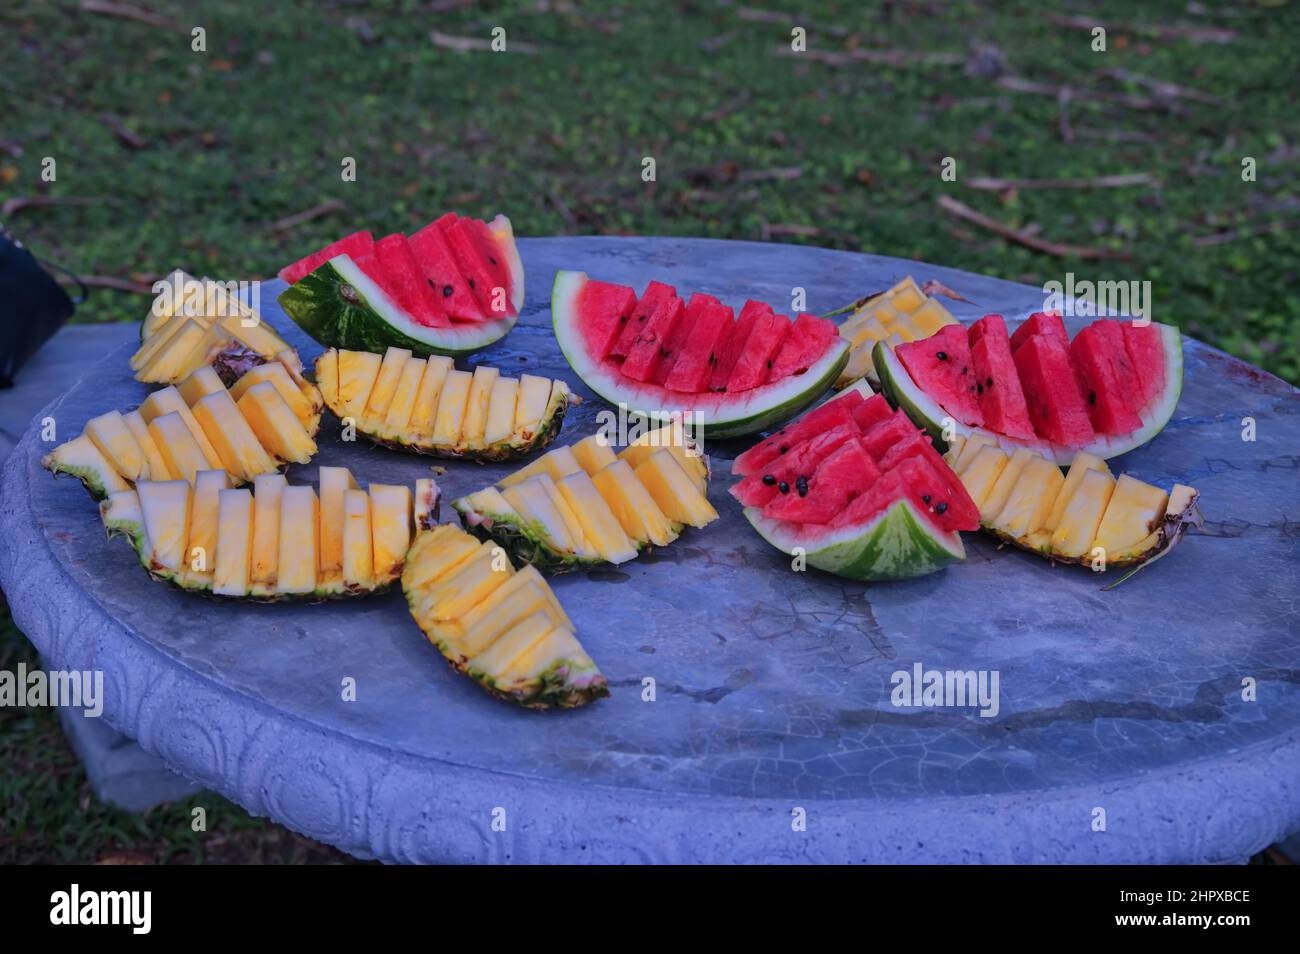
<point x="772" y="689"/>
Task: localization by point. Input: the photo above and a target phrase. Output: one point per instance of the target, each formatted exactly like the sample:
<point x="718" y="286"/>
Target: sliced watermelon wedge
<point x="392" y="264"/>
<point x="583" y="332"/>
<point x="357" y="244"/>
<point x="1048" y="373"/>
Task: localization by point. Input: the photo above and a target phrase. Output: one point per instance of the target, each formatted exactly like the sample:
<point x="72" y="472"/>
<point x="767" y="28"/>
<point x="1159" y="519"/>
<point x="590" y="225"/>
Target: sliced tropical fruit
<point x="270" y="544"/>
<point x="855" y="490"/>
<point x="452" y="288"/>
<point x="735" y="377"/>
<point x="1088" y="517"/>
<point x="197" y="425"/>
<point x="900" y="314"/>
<point x="425" y="406"/>
<point x="583" y="505"/>
<point x="196" y="323"/>
<point x="1057" y="379"/>
<point x="503" y="629"/>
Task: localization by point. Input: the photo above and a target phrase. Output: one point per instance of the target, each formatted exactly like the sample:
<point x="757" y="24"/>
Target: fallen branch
<point x="560" y="206"/>
<point x="1021" y="236"/>
<point x="471" y="44"/>
<point x="790" y="228"/>
<point x="1174" y="31"/>
<point x="20" y="202"/>
<point x="108" y="281"/>
<point x="726" y="109"/>
<point x="899" y="58"/>
<point x="126" y="11"/>
<point x="128" y="138"/>
<point x="1233" y="235"/>
<point x="1123" y="181"/>
<point x="315" y="212"/>
<point x="766" y="175"/>
<point x="1163" y="88"/>
<point x="790" y="20"/>
<point x="1018" y="84"/>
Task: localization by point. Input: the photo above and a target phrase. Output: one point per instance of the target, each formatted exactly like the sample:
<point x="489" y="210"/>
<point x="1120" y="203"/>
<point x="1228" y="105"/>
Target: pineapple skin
<point x="524" y="541"/>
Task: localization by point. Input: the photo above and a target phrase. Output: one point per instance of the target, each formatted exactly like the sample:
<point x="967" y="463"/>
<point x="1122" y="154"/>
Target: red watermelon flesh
<point x="832" y="414"/>
<point x="869" y="412"/>
<point x="755" y="362"/>
<point x="1002" y="401"/>
<point x="1040" y="323"/>
<point x="682" y="332"/>
<point x="941" y="366"/>
<point x="651" y="342"/>
<point x="394" y="268"/>
<point x="441" y="271"/>
<point x="805" y="343"/>
<point x="729" y="351"/>
<point x="913" y="479"/>
<point x="1146" y="351"/>
<point x="847" y="472"/>
<point x="354" y="245"/>
<point x="477" y="232"/>
<point x="654" y="293"/>
<point x="473" y="266"/>
<point x="603" y="308"/>
<point x="693" y="364"/>
<point x="1111" y="333"/>
<point x="953" y="509"/>
<point x="1107" y="408"/>
<point x="885" y="434"/>
<point x="801" y="461"/>
<point x="1056" y="407"/>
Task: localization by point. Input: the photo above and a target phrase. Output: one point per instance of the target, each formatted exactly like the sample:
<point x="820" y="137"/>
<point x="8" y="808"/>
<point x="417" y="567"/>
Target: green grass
<point x="255" y="129"/>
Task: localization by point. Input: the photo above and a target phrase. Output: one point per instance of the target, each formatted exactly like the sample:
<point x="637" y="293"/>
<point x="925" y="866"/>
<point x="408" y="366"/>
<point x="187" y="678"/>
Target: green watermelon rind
<point x="901" y="391"/>
<point x="757" y="410"/>
<point x="373" y="321"/>
<point x="898" y="543"/>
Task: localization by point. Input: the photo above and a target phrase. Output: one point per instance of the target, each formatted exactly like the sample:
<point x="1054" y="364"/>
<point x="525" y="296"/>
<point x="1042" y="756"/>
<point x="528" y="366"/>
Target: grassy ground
<point x="165" y="157"/>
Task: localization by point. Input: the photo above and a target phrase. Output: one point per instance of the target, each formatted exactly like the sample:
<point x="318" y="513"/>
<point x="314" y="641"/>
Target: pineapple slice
<point x="238" y="447"/>
<point x="632" y="505"/>
<point x="334" y="484"/>
<point x="495" y="663"/>
<point x="1031" y="499"/>
<point x="168" y="401"/>
<point x="954" y="449"/>
<point x="490" y="503"/>
<point x="465" y="586"/>
<point x="441" y="552"/>
<point x="358" y="546"/>
<point x="906" y="296"/>
<point x="327" y="376"/>
<point x="1076" y="527"/>
<point x="930" y="317"/>
<point x="265" y="556"/>
<point x="157" y="469"/>
<point x="593" y="453"/>
<point x="673" y="490"/>
<point x="357" y="373"/>
<point x="672" y="438"/>
<point x="531" y="501"/>
<point x="450" y="416"/>
<point x="477" y="406"/>
<point x="1079" y="467"/>
<point x="398" y="416"/>
<point x="165" y="505"/>
<point x="234" y="543"/>
<point x="557" y="647"/>
<point x="201" y="548"/>
<point x="982" y="473"/>
<point x="390" y="517"/>
<point x="301" y="401"/>
<point x="522" y="594"/>
<point x="167" y="359"/>
<point x="299" y="552"/>
<point x="83" y="460"/>
<point x="969" y="449"/>
<point x="1133" y="512"/>
<point x="530" y="407"/>
<point x="582" y="545"/>
<point x="903" y="327"/>
<point x="381" y="395"/>
<point x="420" y="426"/>
<point x="501" y="411"/>
<point x="115" y="441"/>
<point x="557" y="464"/>
<point x="182" y="453"/>
<point x="275" y="425"/>
<point x="1000" y="493"/>
<point x="199" y="384"/>
<point x="598" y="522"/>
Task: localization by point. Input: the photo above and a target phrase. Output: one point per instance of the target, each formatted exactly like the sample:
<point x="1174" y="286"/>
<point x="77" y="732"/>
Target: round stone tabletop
<point x="1125" y="727"/>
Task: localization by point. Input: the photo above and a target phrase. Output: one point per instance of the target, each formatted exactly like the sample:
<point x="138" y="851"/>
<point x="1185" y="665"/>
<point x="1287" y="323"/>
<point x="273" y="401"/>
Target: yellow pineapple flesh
<point x="673" y="490"/>
<point x="234" y="543"/>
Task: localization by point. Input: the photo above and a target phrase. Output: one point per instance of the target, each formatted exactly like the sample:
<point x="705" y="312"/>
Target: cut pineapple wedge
<point x="196" y="323"/>
<point x="426" y="406"/>
<point x="903" y="313"/>
<point x="268" y="418"/>
<point x="504" y="629"/>
<point x="585" y="504"/>
<point x="278" y="542"/>
<point x="1087" y="516"/>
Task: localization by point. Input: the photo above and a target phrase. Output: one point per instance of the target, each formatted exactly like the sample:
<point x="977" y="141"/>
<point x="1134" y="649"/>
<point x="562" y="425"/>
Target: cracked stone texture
<point x="773" y="687"/>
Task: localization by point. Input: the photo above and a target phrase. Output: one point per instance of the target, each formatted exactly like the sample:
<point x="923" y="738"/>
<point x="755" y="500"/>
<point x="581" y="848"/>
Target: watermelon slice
<point x="608" y="307"/>
<point x="1148" y="355"/>
<point x="829" y="416"/>
<point x="805" y="343"/>
<point x="356" y="244"/>
<point x="1108" y="407"/>
<point x="411" y="292"/>
<point x="942" y="365"/>
<point x="701" y="359"/>
<point x="1002" y="400"/>
<point x="1040" y="323"/>
<point x="1056" y="406"/>
<point x="800" y="463"/>
<point x="871" y="510"/>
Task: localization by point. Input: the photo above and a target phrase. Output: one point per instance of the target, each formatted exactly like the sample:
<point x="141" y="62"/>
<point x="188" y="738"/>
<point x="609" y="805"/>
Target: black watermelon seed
<point x="769" y="365"/>
<point x="1092" y="397"/>
<point x="784" y="449"/>
<point x="979" y="388"/>
<point x="941" y="508"/>
<point x="942" y="356"/>
<point x="964" y="370"/>
<point x="988" y="383"/>
<point x="783" y="487"/>
<point x="471" y="283"/>
<point x="769" y="479"/>
<point x="492" y="260"/>
<point x="448" y="291"/>
<point x="925" y="498"/>
<point x="801" y="485"/>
